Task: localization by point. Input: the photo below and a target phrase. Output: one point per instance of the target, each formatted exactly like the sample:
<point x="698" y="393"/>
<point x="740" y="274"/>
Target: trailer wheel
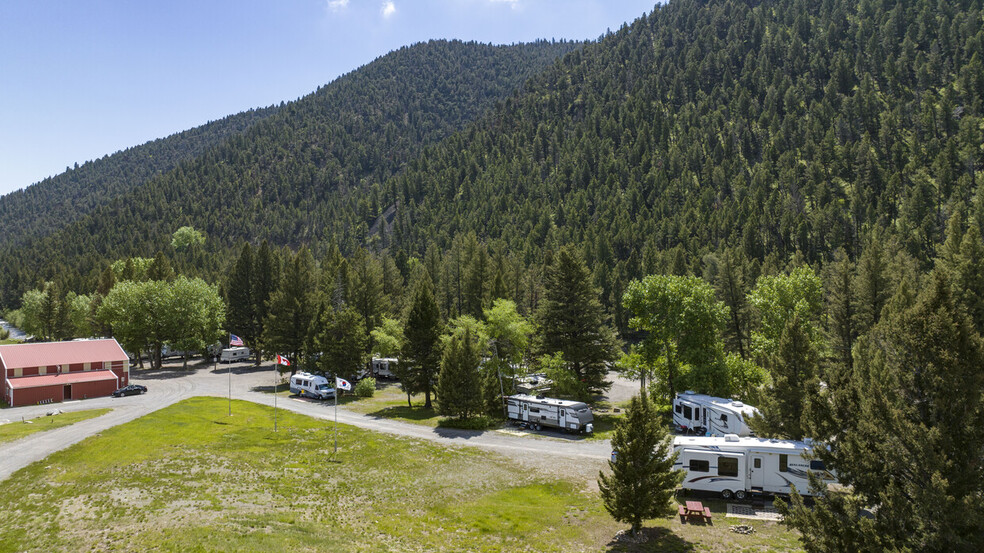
<point x="740" y="495"/>
<point x="726" y="494"/>
<point x="536" y="427"/>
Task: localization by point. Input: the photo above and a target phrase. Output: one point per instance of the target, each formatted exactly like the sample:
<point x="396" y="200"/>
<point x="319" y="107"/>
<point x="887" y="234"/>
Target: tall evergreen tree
<point x="913" y="445"/>
<point x="571" y="320"/>
<point x="340" y="338"/>
<point x="841" y="307"/>
<point x="292" y="308"/>
<point x="642" y="483"/>
<point x="421" y="350"/>
<point x="241" y="319"/>
<point x="266" y="279"/>
<point x="795" y="378"/>
<point x="459" y="388"/>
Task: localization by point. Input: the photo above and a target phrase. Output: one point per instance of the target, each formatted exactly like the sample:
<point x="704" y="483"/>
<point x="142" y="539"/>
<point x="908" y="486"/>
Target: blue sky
<point x="79" y="80"/>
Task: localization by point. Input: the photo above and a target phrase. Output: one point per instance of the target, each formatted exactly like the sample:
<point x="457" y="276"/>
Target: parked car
<point x="131" y="390"/>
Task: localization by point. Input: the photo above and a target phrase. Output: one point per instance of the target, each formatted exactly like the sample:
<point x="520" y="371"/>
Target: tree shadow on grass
<point x="404" y="412"/>
<point x="649" y="539"/>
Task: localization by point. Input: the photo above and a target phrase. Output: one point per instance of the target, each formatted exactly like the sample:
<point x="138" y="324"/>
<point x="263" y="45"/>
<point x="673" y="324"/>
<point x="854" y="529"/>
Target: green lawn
<point x="191" y="478"/>
<point x="17" y="429"/>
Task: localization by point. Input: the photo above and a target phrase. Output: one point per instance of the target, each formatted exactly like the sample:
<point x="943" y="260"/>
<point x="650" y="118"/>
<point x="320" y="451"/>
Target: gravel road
<point x="556" y="453"/>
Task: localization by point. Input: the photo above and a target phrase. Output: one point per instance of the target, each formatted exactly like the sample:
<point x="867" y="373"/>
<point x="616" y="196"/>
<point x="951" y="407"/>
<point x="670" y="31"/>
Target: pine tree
<point x="841" y="307"/>
<point x="642" y="483"/>
<point x="241" y="318"/>
<point x="421" y="350"/>
<point x="572" y="321"/>
<point x="341" y="339"/>
<point x="459" y="388"/>
<point x="266" y="278"/>
<point x="795" y="369"/>
<point x="366" y="293"/>
<point x="731" y="289"/>
<point x="160" y="268"/>
<point x="912" y="446"/>
<point x="292" y="308"/>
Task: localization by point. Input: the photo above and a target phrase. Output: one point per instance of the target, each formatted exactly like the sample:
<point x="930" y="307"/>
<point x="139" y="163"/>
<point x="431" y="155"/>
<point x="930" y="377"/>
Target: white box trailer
<point x="737" y="467"/>
<point x="311" y="385"/>
<point x="231" y="355"/>
<point x="711" y="416"/>
<point x="537" y="412"/>
<point x="382" y="367"/>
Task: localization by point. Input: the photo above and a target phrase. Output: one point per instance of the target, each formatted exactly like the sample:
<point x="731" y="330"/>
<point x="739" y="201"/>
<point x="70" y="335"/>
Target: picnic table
<point x="694" y="510"/>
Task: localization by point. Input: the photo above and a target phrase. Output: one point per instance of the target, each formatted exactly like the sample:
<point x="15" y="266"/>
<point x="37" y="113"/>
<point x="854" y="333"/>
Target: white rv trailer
<point x="711" y="416"/>
<point x="538" y="411"/>
<point x="230" y="355"/>
<point x="382" y="367"/>
<point x="738" y="467"/>
<point x="311" y="385"/>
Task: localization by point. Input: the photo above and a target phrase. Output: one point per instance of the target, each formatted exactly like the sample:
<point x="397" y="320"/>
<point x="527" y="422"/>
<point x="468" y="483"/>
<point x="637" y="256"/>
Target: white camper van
<point x="539" y="411"/>
<point x="382" y="367"/>
<point x="738" y="467"/>
<point x="231" y="355"/>
<point x="311" y="385"/>
<point x="711" y="416"/>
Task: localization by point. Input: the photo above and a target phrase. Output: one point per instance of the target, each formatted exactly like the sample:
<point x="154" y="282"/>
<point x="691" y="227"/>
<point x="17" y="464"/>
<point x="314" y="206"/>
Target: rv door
<point x="756" y="469"/>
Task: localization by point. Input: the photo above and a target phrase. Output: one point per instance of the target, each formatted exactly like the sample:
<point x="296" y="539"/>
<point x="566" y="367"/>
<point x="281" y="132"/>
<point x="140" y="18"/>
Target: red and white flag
<point x="281" y="360"/>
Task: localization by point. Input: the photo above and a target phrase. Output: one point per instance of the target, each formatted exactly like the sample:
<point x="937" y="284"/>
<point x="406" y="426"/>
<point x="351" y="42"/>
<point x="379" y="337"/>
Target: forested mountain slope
<point x="54" y="202"/>
<point x="778" y="127"/>
<point x="290" y="177"/>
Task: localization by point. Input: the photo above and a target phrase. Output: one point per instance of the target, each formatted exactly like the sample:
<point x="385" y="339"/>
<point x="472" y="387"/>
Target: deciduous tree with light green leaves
<point x="683" y="319"/>
<point x="776" y="299"/>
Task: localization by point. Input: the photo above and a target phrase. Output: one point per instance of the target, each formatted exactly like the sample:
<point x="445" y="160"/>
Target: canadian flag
<point x="281" y="360"/>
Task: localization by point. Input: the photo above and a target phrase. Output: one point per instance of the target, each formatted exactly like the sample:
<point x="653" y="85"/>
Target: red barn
<point x="57" y="371"/>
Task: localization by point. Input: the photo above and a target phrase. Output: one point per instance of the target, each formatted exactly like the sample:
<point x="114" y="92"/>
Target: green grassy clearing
<point x="191" y="478"/>
<point x="16" y="430"/>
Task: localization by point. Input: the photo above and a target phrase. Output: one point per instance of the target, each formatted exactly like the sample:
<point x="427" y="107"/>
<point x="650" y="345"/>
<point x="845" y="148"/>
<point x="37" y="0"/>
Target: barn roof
<point x="47" y="354"/>
<point x="63" y="378"/>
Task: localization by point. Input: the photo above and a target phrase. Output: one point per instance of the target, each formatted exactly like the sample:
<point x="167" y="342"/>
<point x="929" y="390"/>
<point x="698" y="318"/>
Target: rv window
<point x="679" y="408"/>
<point x="687" y="412"/>
<point x="724" y="419"/>
<point x="758" y="462"/>
<point x="783" y="462"/>
<point x="728" y="466"/>
<point x="696" y="413"/>
<point x="534" y="410"/>
<point x="817" y="465"/>
<point x="696" y="465"/>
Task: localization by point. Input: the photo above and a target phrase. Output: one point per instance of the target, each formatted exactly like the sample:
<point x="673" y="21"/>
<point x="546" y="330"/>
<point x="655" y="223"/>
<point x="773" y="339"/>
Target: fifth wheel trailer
<point x="711" y="416"/>
<point x="738" y="467"/>
<point x="539" y="411"/>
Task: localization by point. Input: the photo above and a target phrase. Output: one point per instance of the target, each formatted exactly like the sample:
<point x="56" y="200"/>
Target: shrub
<point x="365" y="387"/>
<point x="479" y="422"/>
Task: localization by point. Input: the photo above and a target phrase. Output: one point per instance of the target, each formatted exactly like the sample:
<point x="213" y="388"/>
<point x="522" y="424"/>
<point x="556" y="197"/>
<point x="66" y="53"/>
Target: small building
<point x="59" y="371"/>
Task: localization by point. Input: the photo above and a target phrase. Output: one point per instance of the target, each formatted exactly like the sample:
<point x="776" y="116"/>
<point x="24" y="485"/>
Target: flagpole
<point x="230" y="386"/>
<point x="276" y="384"/>
<point x="336" y="419"/>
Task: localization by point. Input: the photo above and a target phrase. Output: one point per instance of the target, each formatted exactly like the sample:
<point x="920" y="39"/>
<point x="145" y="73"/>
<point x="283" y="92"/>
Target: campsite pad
<point x="744" y="510"/>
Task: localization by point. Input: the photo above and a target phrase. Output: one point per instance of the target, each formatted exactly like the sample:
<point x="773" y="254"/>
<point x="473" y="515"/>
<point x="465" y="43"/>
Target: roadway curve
<point x="171" y="384"/>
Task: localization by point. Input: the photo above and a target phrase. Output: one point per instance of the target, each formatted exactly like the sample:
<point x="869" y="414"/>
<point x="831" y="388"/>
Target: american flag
<point x="235" y="341"/>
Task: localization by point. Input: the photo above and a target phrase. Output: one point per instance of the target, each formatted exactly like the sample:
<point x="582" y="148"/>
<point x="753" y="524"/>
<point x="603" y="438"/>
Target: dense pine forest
<point x="777" y="201"/>
<point x="314" y="168"/>
<point x="55" y="202"/>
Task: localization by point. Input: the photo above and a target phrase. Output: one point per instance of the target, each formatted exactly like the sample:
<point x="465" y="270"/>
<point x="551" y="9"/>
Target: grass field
<point x="191" y="478"/>
<point x="17" y="429"/>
